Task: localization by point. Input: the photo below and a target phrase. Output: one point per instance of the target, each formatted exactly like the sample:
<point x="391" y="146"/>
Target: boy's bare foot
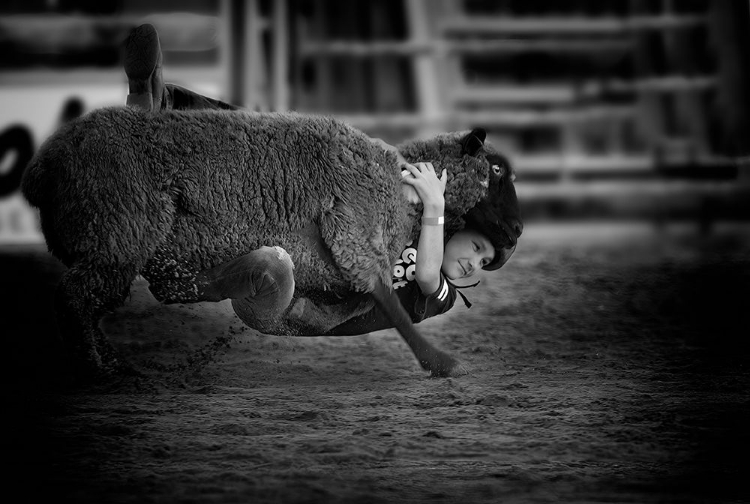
<point x="142" y="62"/>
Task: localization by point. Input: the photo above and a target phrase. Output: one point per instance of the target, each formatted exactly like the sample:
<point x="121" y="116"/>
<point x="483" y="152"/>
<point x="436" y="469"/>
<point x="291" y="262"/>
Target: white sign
<point x="30" y="114"/>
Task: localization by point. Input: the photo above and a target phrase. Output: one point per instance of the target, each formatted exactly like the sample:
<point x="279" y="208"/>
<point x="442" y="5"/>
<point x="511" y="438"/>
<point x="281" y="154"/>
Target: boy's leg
<point x="180" y="98"/>
<point x="260" y="285"/>
<point x="318" y="319"/>
<point x="142" y="62"/>
<point x="147" y="90"/>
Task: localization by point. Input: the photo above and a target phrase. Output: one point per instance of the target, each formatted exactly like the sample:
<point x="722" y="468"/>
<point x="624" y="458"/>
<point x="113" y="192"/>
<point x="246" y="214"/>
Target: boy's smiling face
<point x="466" y="253"/>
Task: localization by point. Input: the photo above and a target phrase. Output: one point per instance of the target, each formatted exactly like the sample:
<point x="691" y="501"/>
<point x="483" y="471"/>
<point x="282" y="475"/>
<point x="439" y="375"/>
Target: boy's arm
<point x="422" y="184"/>
<point x="430" y="189"/>
<point x="430" y="253"/>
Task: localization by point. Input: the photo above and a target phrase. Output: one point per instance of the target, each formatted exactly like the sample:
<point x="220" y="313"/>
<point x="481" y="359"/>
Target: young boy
<point x="423" y="276"/>
<point x="261" y="283"/>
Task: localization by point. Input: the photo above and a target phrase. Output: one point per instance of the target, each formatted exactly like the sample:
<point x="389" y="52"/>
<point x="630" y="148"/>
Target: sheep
<point x="122" y="192"/>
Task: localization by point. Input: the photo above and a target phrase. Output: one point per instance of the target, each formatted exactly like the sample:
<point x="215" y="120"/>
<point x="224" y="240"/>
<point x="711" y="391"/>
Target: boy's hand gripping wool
<point x="122" y="192"/>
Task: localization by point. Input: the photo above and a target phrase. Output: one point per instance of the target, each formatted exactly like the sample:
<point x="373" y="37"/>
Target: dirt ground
<point x="608" y="363"/>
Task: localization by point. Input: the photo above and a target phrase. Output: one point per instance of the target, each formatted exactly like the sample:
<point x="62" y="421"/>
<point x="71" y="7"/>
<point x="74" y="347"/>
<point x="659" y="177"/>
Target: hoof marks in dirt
<point x="454" y="371"/>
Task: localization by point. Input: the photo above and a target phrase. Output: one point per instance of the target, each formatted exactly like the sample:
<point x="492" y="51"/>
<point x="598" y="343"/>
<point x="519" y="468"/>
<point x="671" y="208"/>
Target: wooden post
<point x="729" y="21"/>
<point x="280" y="68"/>
<point x="232" y="49"/>
<point x="650" y="106"/>
<point x="425" y="69"/>
<point x="252" y="64"/>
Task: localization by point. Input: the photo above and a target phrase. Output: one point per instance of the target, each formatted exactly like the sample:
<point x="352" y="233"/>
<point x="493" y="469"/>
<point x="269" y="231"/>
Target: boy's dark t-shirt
<point x="417" y="305"/>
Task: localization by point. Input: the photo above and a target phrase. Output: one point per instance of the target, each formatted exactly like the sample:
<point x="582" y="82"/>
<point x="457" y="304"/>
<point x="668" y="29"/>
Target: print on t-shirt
<point x="405" y="269"/>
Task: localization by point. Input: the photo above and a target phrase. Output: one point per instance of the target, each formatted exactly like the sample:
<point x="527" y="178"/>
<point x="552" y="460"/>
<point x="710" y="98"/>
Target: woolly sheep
<point x="122" y="192"/>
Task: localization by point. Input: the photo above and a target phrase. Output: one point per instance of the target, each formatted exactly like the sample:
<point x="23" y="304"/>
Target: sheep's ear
<point x="474" y="141"/>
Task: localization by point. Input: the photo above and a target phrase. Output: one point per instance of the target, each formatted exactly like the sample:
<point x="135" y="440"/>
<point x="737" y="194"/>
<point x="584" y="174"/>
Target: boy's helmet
<point x="486" y="221"/>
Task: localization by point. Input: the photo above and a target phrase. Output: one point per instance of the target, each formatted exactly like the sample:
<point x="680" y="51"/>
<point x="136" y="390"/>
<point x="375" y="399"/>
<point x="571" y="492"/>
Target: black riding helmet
<point x="487" y="222"/>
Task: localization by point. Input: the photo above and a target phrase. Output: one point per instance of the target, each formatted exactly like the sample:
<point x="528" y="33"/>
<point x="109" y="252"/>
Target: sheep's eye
<point x="498" y="169"/>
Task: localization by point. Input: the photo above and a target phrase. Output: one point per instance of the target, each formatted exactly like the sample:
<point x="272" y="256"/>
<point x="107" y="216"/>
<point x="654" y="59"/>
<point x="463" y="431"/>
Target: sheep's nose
<point x="517" y="227"/>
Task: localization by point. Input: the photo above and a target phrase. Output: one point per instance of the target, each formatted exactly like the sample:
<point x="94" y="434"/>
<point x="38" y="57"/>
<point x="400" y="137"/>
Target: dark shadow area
<point x="32" y="342"/>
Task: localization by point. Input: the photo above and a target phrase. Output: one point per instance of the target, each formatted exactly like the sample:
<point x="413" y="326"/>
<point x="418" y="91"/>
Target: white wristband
<point x="433" y="221"/>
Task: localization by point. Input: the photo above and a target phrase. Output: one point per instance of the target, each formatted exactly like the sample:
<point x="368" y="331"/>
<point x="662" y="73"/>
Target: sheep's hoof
<point x="444" y="366"/>
<point x="90" y="365"/>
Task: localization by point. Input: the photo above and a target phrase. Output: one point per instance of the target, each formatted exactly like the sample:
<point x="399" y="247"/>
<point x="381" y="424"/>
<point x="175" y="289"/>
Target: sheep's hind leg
<point x="85" y="293"/>
<point x="437" y="362"/>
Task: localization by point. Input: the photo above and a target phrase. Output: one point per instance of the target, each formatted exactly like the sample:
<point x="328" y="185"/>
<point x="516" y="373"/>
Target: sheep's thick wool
<point x="124" y="192"/>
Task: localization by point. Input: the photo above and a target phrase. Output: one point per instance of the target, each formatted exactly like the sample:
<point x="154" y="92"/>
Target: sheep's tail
<point x="33" y="186"/>
<point x="38" y="180"/>
<point x="38" y="186"/>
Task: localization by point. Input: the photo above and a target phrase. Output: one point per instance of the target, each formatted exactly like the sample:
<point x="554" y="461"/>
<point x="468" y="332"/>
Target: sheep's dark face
<point x="498" y="215"/>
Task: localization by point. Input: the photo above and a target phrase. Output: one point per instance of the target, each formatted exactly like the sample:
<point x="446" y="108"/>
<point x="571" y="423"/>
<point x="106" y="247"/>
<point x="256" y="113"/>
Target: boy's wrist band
<point x="433" y="221"/>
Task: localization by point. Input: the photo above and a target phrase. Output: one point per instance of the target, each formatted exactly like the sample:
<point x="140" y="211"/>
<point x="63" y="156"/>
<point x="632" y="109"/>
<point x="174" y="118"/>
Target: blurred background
<point x="607" y="365"/>
<point x="609" y="109"/>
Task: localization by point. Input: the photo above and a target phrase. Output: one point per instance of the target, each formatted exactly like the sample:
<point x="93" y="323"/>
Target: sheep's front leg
<point x="437" y="362"/>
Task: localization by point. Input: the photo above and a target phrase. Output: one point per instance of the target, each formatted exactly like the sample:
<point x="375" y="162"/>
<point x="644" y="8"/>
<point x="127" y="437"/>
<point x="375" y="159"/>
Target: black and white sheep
<point x="122" y="192"/>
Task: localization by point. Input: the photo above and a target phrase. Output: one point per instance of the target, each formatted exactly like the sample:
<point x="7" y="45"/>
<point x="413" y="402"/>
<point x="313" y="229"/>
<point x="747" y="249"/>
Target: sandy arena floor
<point x="608" y="363"/>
